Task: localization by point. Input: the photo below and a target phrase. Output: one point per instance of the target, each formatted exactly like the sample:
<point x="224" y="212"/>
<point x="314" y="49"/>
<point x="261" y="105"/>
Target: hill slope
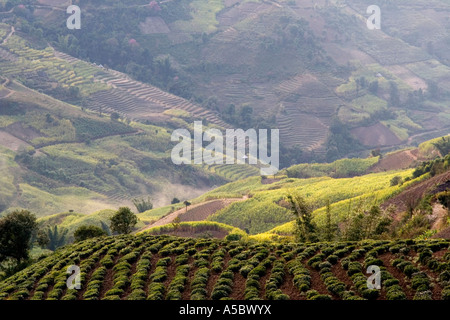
<point x="297" y="65"/>
<point x="168" y="268"/>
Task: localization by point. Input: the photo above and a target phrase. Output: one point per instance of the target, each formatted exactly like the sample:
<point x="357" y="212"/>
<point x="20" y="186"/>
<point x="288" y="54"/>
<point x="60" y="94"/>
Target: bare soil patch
<point x="397" y="161"/>
<point x="238" y="287"/>
<point x="288" y="287"/>
<point x="386" y="258"/>
<point x="18" y="130"/>
<point x="196" y="212"/>
<point x="376" y="135"/>
<point x="444" y="234"/>
<point x="409" y="77"/>
<point x="416" y="191"/>
<point x="11" y="142"/>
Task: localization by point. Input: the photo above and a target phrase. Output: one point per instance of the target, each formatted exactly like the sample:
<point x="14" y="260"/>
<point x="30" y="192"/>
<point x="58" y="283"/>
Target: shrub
<point x="333" y="259"/>
<point x="353" y="268"/>
<point x="370" y="294"/>
<point x="218" y="294"/>
<point x="419" y="280"/>
<point x="245" y="270"/>
<point x="156" y="291"/>
<point x="114" y="292"/>
<point x="423" y="295"/>
<point x="409" y="270"/>
<point x="87" y="232"/>
<point x="446" y="293"/>
<point x="395" y="292"/>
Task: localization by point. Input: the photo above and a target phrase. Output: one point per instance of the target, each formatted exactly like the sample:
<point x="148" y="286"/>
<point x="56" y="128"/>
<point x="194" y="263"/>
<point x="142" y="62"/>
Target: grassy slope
<point x="112" y="169"/>
<point x="262" y="211"/>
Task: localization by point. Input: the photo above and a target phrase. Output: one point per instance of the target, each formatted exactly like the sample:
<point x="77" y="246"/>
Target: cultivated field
<point x="149" y="267"/>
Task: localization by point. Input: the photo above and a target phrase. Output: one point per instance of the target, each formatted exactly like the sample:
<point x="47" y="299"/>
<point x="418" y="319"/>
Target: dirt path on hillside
<point x="8" y="36"/>
<point x="196" y="212"/>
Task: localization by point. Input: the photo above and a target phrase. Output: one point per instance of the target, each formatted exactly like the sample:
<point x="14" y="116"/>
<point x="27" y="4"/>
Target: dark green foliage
<point x="443" y="146"/>
<point x="143" y="205"/>
<point x="397" y="180"/>
<point x="89" y="129"/>
<point x="340" y="141"/>
<point x="333" y="259"/>
<point x="314" y="295"/>
<point x="16" y="232"/>
<point x="87" y="232"/>
<point x="305" y="228"/>
<point x="123" y="221"/>
<point x="127" y="261"/>
<point x="156" y="291"/>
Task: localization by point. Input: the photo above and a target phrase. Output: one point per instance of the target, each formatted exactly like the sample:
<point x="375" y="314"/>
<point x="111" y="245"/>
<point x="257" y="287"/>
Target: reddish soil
<point x="171" y="271"/>
<point x="396" y="161"/>
<point x="262" y="283"/>
<point x="107" y="283"/>
<point x="288" y="287"/>
<point x="153" y="262"/>
<point x="376" y="135"/>
<point x="317" y="283"/>
<point x="133" y="271"/>
<point x="238" y="287"/>
<point x="387" y="258"/>
<point x="269" y="180"/>
<point x="342" y="275"/>
<point x="439" y="254"/>
<point x="186" y="294"/>
<point x="416" y="191"/>
<point x="196" y="212"/>
<point x="444" y="234"/>
<point x="203" y="211"/>
<point x="24" y="133"/>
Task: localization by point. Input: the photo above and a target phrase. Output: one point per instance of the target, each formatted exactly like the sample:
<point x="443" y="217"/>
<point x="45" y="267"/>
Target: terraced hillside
<point x="136" y="100"/>
<point x="170" y="268"/>
<point x="105" y="90"/>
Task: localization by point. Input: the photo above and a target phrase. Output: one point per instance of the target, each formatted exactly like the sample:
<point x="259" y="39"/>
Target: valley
<point x="90" y="127"/>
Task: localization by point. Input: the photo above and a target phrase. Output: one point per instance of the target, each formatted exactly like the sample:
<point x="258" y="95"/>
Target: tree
<point x="433" y="90"/>
<point x="395" y="181"/>
<point x="187" y="204"/>
<point x="367" y="224"/>
<point x="176" y="223"/>
<point x="444" y="199"/>
<point x="329" y="227"/>
<point x="123" y="221"/>
<point x="394" y="97"/>
<point x="376" y="153"/>
<point x="373" y="87"/>
<point x="87" y="232"/>
<point x="175" y="200"/>
<point x="115" y="116"/>
<point x="443" y="146"/>
<point x="143" y="205"/>
<point x="16" y="233"/>
<point x="56" y="237"/>
<point x="306" y="229"/>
